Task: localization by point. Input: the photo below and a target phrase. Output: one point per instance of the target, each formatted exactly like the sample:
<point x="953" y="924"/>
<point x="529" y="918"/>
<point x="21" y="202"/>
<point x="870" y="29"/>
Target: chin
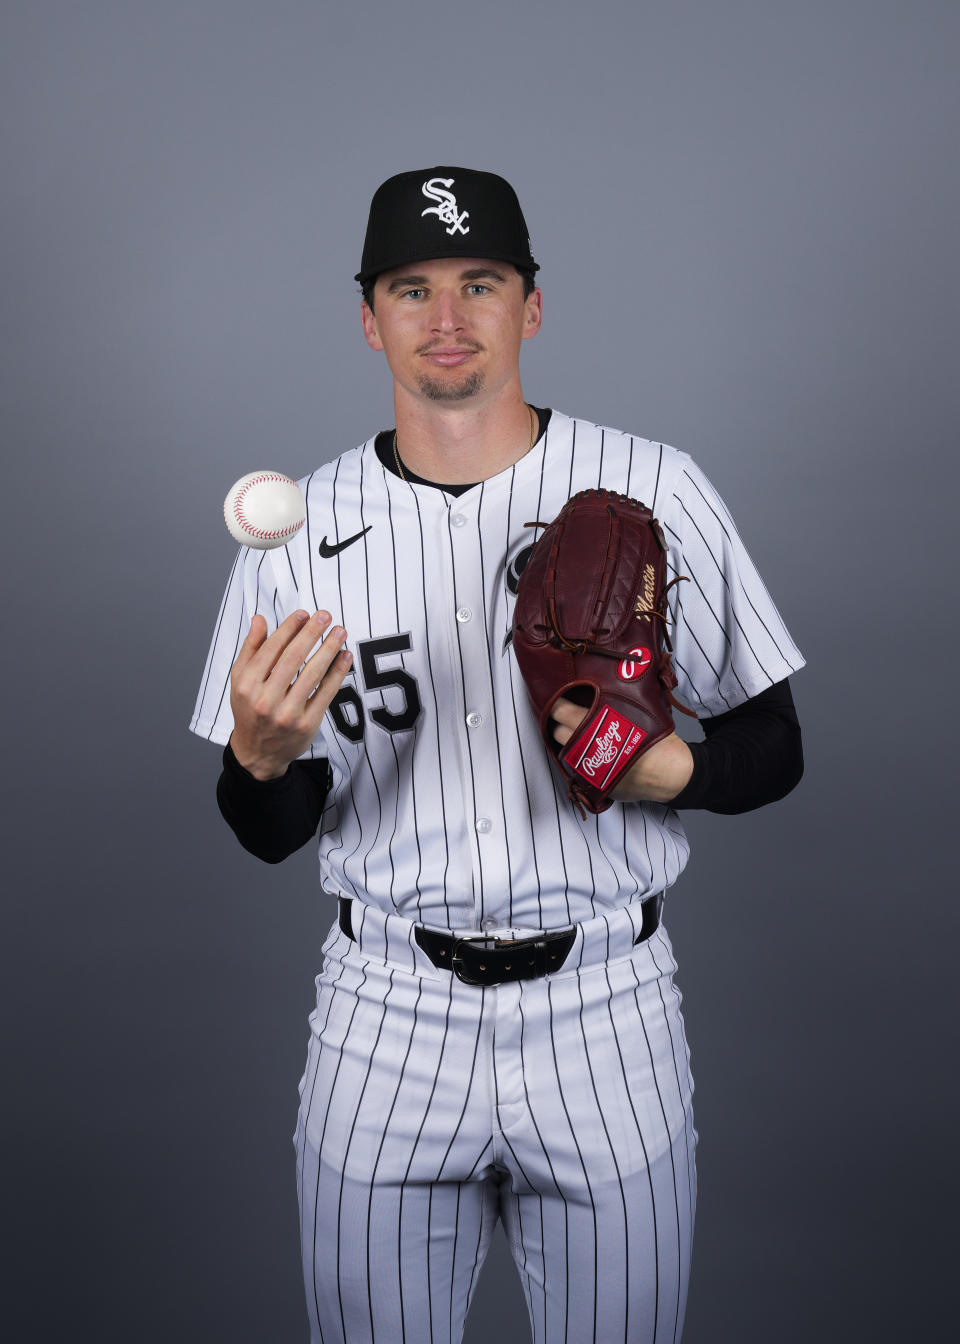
<point x="435" y="389"/>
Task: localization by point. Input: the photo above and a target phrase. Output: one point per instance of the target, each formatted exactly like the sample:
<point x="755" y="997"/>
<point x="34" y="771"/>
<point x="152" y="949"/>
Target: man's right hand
<point x="277" y="699"/>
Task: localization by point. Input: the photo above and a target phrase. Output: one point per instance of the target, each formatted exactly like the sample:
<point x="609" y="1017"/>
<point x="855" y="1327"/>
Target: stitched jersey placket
<point x="477" y="725"/>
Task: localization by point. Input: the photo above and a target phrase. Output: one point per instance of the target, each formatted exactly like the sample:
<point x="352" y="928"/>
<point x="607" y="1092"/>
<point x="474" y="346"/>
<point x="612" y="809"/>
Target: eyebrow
<point x="482" y="273"/>
<point x="477" y="273"/>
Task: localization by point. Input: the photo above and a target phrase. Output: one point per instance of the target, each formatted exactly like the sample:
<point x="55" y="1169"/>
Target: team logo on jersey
<point x="644" y="602"/>
<point x="516" y="567"/>
<point x="633" y="667"/>
<point x="446" y="208"/>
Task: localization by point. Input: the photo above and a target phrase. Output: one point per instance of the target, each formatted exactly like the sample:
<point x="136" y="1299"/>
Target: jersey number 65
<point x="346" y="708"/>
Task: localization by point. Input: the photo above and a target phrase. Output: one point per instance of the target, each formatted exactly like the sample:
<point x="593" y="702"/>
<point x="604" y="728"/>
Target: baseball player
<point x="497" y="1032"/>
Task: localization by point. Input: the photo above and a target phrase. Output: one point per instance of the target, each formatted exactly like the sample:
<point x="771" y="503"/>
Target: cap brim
<point x="522" y="263"/>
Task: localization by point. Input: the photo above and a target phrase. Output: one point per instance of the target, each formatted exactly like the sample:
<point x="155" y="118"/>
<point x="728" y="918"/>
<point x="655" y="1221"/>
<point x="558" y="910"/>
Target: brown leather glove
<point x="590" y="624"/>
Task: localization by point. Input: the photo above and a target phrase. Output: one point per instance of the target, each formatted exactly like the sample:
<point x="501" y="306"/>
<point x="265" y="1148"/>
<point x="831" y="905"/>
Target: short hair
<point x="528" y="278"/>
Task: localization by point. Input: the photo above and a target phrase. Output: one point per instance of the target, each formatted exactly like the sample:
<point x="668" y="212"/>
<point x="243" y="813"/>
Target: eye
<point x="413" y="293"/>
<point x="479" y="289"/>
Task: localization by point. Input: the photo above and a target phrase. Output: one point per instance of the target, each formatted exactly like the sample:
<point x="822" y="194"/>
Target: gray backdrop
<point x="746" y="216"/>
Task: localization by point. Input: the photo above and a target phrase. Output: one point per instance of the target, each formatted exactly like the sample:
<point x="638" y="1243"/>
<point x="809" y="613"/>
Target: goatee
<point x="437" y="391"/>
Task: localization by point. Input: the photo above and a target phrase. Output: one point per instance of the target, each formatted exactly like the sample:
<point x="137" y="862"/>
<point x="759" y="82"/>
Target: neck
<point x="465" y="442"/>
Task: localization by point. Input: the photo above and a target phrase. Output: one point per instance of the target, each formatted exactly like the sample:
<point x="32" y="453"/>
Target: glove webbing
<point x="608" y="572"/>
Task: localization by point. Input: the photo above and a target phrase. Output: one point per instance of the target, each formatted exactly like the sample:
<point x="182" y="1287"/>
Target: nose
<point x="446" y="314"/>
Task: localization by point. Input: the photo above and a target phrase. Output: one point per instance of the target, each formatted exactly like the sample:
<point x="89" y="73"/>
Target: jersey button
<point x="474" y="719"/>
<point x="463" y="614"/>
<point x="458" y="520"/>
<point x="489" y="923"/>
<point x="484" y="825"/>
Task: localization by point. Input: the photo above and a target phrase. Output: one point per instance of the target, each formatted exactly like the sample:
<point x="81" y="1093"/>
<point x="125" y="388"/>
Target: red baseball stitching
<point x="259" y="531"/>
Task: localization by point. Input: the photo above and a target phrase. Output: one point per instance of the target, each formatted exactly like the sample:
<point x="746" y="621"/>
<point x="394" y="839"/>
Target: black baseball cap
<point x="444" y="212"/>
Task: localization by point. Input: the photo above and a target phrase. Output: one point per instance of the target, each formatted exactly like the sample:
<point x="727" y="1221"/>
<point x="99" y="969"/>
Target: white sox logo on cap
<point x="446" y="207"/>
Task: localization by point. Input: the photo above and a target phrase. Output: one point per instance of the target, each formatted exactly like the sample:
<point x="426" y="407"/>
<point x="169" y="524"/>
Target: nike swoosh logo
<point x="327" y="551"/>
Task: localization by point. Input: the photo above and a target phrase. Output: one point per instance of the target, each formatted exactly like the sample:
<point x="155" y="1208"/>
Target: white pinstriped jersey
<point x="444" y="806"/>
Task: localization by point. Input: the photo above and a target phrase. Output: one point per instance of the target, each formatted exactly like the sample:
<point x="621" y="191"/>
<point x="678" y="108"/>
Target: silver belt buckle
<point x="456" y="961"/>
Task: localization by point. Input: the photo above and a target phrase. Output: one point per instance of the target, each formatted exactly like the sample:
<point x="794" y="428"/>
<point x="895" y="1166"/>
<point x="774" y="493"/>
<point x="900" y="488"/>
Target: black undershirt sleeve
<point x="751" y="756"/>
<point x="274" y="817"/>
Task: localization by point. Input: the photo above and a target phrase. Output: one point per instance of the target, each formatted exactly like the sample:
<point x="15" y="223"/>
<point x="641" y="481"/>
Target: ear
<point x="532" y="314"/>
<point x="369" y="322"/>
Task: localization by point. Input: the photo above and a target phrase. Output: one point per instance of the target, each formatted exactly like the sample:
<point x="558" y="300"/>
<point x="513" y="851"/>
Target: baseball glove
<point x="590" y="624"/>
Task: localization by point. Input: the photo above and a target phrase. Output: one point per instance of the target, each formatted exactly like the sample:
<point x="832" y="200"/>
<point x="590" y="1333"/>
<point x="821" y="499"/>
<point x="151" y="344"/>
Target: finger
<point x="315" y="670"/>
<point x="566" y="716"/>
<point x="566" y="712"/>
<point x="251" y="671"/>
<point x="272" y="649"/>
<point x="255" y="637"/>
<point x="293" y="656"/>
<point x="320" y="701"/>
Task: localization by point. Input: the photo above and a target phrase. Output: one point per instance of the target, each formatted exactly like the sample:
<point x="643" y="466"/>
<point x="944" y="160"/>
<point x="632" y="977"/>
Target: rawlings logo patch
<point x="604" y="748"/>
<point x="632" y="668"/>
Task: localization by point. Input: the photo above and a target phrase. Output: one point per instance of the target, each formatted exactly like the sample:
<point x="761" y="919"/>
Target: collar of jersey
<point x="383" y="447"/>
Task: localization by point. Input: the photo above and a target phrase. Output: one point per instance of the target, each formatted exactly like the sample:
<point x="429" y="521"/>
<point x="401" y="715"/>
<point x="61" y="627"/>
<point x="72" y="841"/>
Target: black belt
<point x="479" y="959"/>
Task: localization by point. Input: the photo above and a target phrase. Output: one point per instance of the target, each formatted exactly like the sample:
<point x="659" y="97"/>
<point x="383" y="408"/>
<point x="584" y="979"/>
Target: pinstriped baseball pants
<point x="429" y="1108"/>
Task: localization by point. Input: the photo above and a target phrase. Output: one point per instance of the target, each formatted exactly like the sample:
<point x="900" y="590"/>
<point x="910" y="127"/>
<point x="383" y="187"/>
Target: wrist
<point x="660" y="775"/>
<point x="262" y="769"/>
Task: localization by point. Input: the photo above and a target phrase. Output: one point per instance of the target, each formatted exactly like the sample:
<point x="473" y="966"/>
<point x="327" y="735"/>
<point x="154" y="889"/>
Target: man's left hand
<point x="657" y="777"/>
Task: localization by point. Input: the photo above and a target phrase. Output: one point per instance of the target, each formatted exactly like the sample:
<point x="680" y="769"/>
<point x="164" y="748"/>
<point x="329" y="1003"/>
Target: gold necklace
<point x="534" y="426"/>
<point x="396" y="457"/>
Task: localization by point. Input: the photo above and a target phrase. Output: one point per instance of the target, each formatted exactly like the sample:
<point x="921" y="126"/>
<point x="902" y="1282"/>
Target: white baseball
<point x="264" y="509"/>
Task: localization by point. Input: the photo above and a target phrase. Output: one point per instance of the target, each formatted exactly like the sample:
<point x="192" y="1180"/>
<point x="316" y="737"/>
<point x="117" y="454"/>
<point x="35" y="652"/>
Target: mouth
<point x="448" y="356"/>
<point x="449" y="359"/>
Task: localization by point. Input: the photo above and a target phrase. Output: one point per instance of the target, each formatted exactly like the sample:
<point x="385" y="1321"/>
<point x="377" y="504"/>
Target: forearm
<point x="273" y="818"/>
<point x="730" y="775"/>
<point x="751" y="756"/>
